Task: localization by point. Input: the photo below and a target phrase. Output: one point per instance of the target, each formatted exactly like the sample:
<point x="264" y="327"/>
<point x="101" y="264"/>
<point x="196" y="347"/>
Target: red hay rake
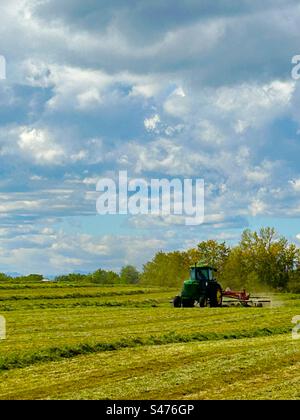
<point x="243" y="298"/>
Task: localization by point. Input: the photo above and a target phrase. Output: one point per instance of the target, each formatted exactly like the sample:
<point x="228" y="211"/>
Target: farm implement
<point x="202" y="289"/>
<point x="233" y="298"/>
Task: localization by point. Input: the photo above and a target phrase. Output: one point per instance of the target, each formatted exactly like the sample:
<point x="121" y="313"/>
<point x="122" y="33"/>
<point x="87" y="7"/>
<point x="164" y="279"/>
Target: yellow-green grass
<point x="32" y="332"/>
<point x="55" y="333"/>
<point x="131" y="298"/>
<point x="257" y="368"/>
<point x="52" y="291"/>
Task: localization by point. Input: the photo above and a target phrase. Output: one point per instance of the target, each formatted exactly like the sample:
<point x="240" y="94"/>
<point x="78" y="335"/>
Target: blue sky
<point x="183" y="89"/>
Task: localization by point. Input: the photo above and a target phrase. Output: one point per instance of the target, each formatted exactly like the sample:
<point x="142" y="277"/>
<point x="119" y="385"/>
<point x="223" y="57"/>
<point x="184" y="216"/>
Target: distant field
<point x="66" y="341"/>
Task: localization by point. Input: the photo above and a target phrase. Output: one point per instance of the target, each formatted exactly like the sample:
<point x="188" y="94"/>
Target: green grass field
<point x="127" y="342"/>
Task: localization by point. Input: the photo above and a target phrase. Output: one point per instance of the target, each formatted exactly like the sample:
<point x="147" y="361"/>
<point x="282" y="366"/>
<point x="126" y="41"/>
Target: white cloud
<point x="70" y="264"/>
<point x="257" y="207"/>
<point x="148" y="90"/>
<point x="77" y="88"/>
<point x="161" y="155"/>
<point x="62" y="253"/>
<point x="40" y="146"/>
<point x="152" y="122"/>
<point x="295" y="184"/>
<point x="90" y="180"/>
<point x="86" y="89"/>
<point x="177" y="104"/>
<point x="209" y="133"/>
<point x="89" y="99"/>
<point x="254" y="104"/>
<point x="48" y="145"/>
<point x="240" y="126"/>
<point x="261" y="174"/>
<point x="209" y="105"/>
<point x="247" y="96"/>
<point x="22" y="206"/>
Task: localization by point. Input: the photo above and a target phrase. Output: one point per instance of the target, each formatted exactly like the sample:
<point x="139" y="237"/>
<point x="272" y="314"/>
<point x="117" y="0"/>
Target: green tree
<point x="105" y="277"/>
<point x="166" y="269"/>
<point x="235" y="273"/>
<point x="73" y="278"/>
<point x="214" y="253"/>
<point x="294" y="281"/>
<point x="4" y="277"/>
<point x="129" y="275"/>
<point x="262" y="259"/>
<point x="31" y="278"/>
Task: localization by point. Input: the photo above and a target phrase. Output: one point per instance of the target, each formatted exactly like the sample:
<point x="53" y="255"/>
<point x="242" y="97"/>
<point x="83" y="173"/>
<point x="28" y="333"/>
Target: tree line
<point x="128" y="275"/>
<point x="261" y="260"/>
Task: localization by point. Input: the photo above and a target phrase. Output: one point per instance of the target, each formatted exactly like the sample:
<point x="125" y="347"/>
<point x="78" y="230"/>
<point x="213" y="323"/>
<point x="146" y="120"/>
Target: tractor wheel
<point x="203" y="302"/>
<point x="215" y="296"/>
<point x="177" y="302"/>
<point x="187" y="303"/>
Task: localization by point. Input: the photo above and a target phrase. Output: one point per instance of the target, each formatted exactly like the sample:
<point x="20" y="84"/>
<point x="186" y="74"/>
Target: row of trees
<point x="31" y="278"/>
<point x="128" y="275"/>
<point x="261" y="260"/>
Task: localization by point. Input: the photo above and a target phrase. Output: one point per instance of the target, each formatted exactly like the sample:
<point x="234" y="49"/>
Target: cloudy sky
<point x="160" y="88"/>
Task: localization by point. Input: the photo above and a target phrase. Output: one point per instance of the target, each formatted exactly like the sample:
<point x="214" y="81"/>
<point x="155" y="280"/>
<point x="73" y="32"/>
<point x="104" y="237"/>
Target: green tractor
<point x="201" y="288"/>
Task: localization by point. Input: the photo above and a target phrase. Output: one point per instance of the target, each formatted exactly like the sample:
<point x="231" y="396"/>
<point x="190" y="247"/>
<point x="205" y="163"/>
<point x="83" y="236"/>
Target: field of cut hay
<point x="128" y="342"/>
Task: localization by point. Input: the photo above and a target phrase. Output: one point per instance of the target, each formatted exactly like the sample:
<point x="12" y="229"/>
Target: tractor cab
<point x="202" y="274"/>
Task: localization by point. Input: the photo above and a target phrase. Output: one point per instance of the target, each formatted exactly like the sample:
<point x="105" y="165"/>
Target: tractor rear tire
<point x="177" y="302"/>
<point x="215" y="296"/>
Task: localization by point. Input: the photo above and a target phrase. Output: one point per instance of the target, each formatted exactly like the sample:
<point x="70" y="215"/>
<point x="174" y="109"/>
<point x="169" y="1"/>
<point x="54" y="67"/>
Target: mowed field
<point x="128" y="342"/>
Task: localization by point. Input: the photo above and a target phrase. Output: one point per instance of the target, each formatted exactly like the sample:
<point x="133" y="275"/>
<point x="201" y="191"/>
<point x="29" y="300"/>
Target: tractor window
<point x="203" y="274"/>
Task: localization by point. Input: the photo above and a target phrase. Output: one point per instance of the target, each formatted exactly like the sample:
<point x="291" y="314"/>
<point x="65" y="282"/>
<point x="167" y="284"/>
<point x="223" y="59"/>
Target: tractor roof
<point x="201" y="265"/>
